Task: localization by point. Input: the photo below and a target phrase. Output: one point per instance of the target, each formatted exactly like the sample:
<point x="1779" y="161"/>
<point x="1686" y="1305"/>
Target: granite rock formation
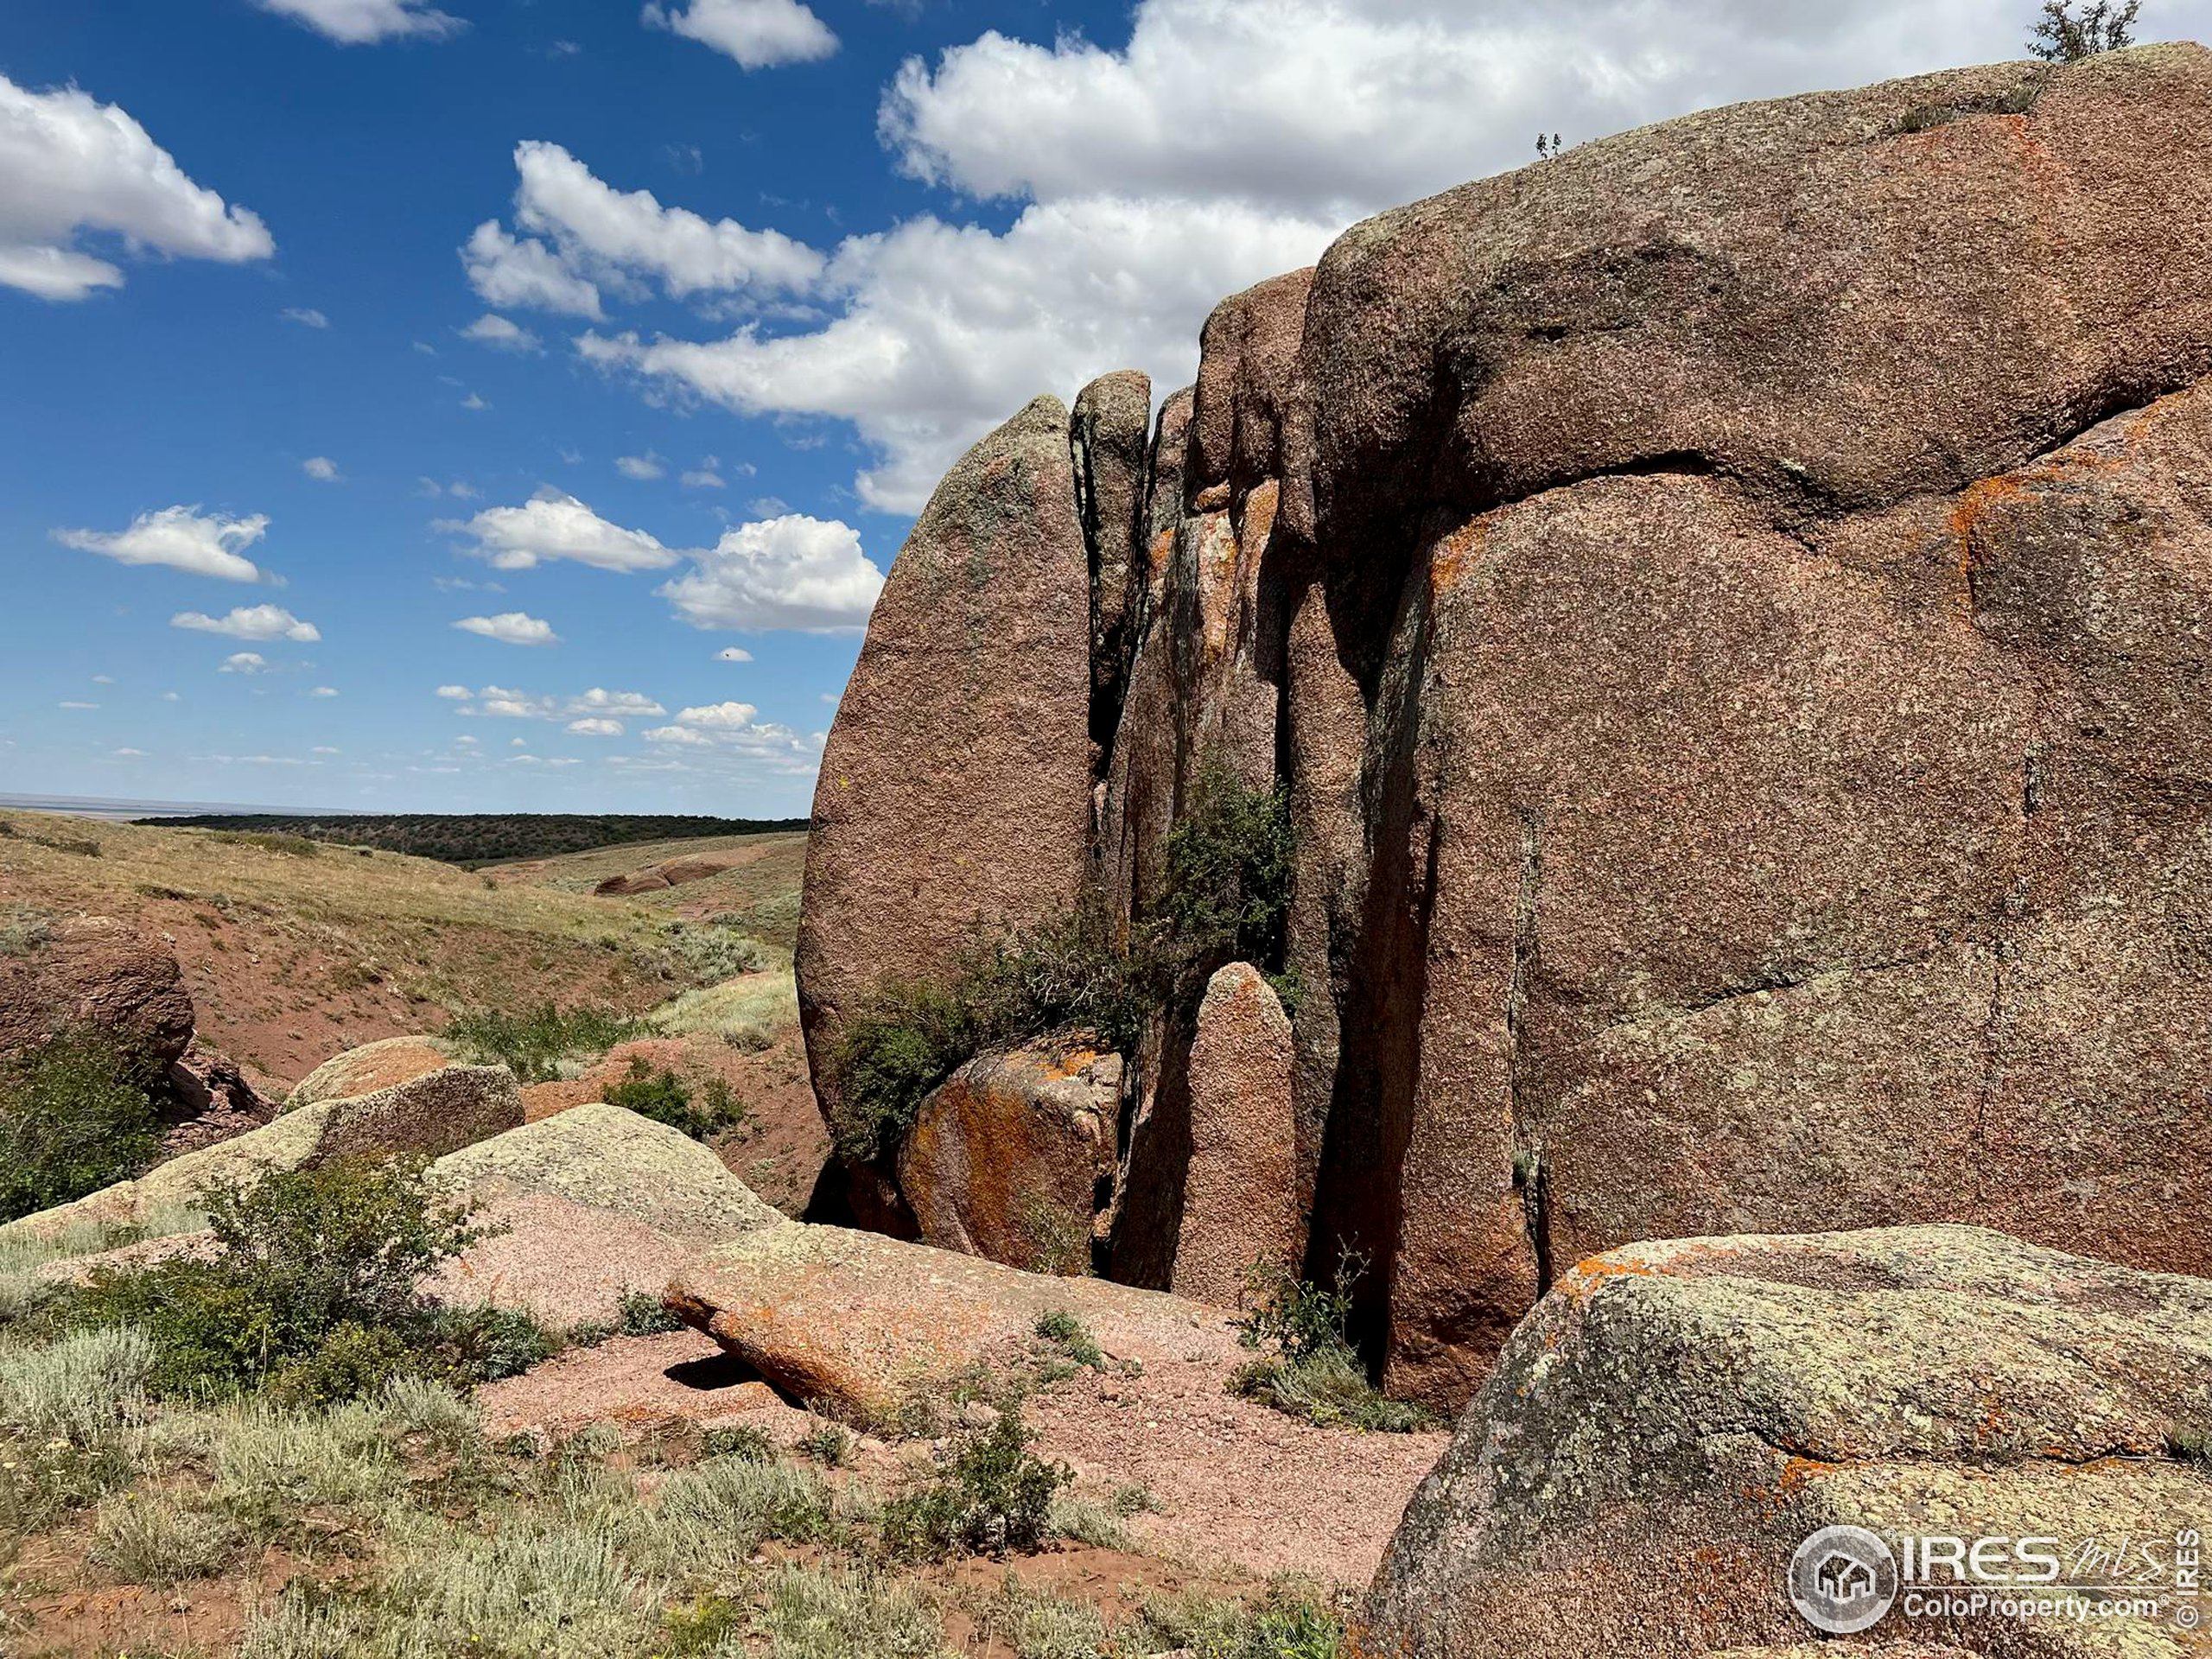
<point x="1727" y="606"/>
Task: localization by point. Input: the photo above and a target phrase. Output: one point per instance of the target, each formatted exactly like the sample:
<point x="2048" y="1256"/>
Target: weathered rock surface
<point x="1240" y="1200"/>
<point x="94" y="973"/>
<point x="1012" y="1157"/>
<point x="381" y="1065"/>
<point x="587" y="1205"/>
<point x="1728" y="606"/>
<point x="668" y="873"/>
<point x="1674" y="1418"/>
<point x="210" y="1100"/>
<point x="863" y="1324"/>
<point x="955" y="794"/>
<point x="430" y="1115"/>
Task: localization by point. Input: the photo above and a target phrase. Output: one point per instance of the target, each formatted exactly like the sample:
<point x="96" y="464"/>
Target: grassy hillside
<point x="296" y="950"/>
<point x="469" y="839"/>
<point x="758" y="895"/>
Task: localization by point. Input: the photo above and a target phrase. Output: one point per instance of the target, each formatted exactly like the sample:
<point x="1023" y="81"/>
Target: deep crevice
<point x="1529" y="1174"/>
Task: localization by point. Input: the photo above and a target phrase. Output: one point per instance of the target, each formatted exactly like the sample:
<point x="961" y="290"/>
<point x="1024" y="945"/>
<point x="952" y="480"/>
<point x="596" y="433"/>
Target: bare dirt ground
<point x="292" y="958"/>
<point x="1233" y="1482"/>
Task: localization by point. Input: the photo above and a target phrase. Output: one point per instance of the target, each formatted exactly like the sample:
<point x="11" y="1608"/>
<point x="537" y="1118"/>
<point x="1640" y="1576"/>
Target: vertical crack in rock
<point x="1528" y="1171"/>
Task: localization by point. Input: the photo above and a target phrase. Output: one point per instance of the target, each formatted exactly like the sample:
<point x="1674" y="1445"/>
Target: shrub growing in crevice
<point x="1310" y="1368"/>
<point x="1225" y="896"/>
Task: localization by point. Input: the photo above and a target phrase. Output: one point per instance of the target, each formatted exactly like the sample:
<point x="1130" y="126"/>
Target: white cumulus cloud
<point x="945" y="330"/>
<point x="582" y="239"/>
<point x="324" y="691"/>
<point x="758" y="34"/>
<point x="321" y="468"/>
<point x="363" y="23"/>
<point x="596" y="728"/>
<point x="524" y="272"/>
<point x="499" y="334"/>
<point x="243" y="661"/>
<point x="733" y="654"/>
<point x="792" y="572"/>
<point x="251" y="622"/>
<point x="554" y="524"/>
<point x="183" y="538"/>
<point x="641" y="467"/>
<point x="503" y="703"/>
<point x="71" y="166"/>
<point x="306" y="316"/>
<point x="510" y="628"/>
<point x="1210" y="145"/>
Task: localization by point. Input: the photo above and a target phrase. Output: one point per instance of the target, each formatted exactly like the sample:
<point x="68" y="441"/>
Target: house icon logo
<point x="1843" y="1580"/>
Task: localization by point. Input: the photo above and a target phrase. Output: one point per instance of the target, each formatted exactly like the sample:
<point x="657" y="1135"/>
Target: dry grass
<point x="339" y="887"/>
<point x="759" y="896"/>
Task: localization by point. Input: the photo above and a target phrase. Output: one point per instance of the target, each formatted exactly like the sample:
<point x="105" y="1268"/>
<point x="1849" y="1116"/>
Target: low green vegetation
<point x="534" y="1044"/>
<point x="1072" y="1337"/>
<point x="666" y="1098"/>
<point x="2068" y="31"/>
<point x="1225" y="896"/>
<point x="994" y="1498"/>
<point x="1309" y="1368"/>
<point x="313" y="1290"/>
<point x="75" y="1115"/>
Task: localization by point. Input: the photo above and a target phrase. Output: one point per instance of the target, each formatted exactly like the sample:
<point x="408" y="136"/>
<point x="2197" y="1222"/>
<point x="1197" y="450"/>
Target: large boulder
<point x="862" y="1324"/>
<point x="955" y="792"/>
<point x="588" y="1205"/>
<point x="94" y="973"/>
<point x="1728" y="606"/>
<point x="1674" y="1419"/>
<point x="1240" y="1201"/>
<point x="1012" y="1157"/>
<point x="1768" y="549"/>
<point x="384" y="1063"/>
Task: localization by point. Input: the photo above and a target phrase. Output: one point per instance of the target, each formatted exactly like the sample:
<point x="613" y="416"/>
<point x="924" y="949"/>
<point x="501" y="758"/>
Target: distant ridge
<point x="470" y="839"/>
<point x="127" y="811"/>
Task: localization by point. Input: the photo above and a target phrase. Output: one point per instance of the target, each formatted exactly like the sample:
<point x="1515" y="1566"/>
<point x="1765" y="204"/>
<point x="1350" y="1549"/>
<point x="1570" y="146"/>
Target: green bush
<point x="315" y="1288"/>
<point x="747" y="1442"/>
<point x="995" y="1497"/>
<point x="2059" y="36"/>
<point x="1225" y="896"/>
<point x="75" y="1115"/>
<point x="641" y="1313"/>
<point x="1311" y="1369"/>
<point x="1073" y="1337"/>
<point x="666" y="1098"/>
<point x="533" y="1044"/>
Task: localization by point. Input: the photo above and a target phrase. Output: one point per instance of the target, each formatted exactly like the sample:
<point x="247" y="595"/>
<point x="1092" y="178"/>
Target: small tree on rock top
<point x="2062" y="37"/>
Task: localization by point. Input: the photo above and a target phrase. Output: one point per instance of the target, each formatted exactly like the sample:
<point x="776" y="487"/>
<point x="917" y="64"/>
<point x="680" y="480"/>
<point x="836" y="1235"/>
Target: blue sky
<point x="511" y="404"/>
